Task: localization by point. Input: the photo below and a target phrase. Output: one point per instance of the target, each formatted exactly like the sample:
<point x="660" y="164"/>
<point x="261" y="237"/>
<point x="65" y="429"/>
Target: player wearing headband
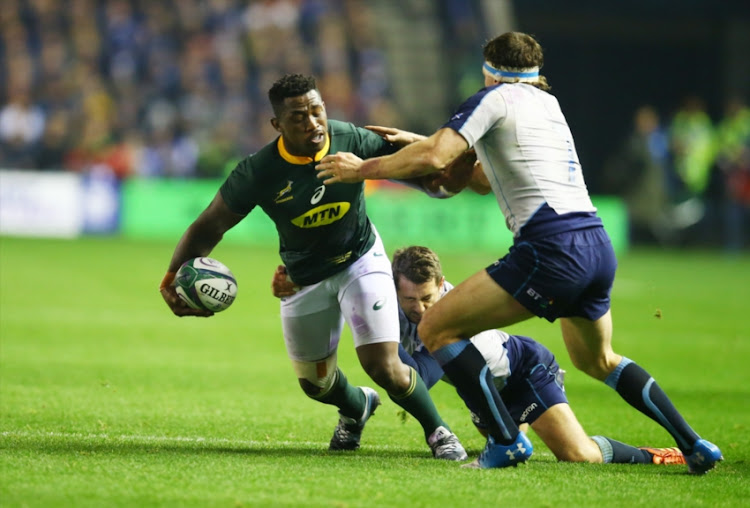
<point x="561" y="265"/>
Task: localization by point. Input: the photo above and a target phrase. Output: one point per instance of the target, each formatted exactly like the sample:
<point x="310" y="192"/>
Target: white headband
<point x="510" y="74"/>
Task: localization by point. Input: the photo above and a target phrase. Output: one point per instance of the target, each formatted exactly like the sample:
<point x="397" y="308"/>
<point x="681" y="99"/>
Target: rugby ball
<point x="206" y="284"/>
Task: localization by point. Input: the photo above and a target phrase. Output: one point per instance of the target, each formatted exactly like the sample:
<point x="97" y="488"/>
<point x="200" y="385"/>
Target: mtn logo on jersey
<point x="322" y="215"/>
<point x="282" y="195"/>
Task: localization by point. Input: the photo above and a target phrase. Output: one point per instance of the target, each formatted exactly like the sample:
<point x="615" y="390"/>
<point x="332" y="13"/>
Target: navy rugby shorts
<point x="535" y="385"/>
<point x="564" y="275"/>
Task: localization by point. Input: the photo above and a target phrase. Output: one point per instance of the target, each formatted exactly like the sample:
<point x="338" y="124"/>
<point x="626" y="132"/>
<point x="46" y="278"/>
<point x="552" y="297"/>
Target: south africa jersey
<point x="322" y="229"/>
<point x="528" y="155"/>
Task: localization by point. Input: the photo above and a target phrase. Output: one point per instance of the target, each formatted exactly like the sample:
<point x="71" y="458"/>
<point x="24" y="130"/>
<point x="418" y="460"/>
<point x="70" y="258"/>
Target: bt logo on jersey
<point x="539" y="298"/>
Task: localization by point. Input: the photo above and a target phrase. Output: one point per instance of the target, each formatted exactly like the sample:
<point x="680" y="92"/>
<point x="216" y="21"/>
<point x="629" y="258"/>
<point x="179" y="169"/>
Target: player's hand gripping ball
<point x="206" y="284"/>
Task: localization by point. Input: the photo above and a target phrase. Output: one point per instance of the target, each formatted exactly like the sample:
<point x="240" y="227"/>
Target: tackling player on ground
<point x="561" y="266"/>
<point x="525" y="372"/>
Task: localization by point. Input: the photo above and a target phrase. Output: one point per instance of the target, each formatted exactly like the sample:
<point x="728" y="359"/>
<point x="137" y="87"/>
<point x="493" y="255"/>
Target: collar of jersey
<point x="298" y="159"/>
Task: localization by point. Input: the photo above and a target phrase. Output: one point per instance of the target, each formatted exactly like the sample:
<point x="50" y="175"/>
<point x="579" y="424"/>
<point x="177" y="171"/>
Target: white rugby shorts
<point x="363" y="295"/>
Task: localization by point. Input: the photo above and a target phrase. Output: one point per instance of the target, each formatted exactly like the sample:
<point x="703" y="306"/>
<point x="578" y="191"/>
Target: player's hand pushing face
<point x="341" y="167"/>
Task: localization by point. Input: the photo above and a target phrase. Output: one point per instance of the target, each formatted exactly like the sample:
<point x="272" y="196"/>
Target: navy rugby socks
<point x="468" y="371"/>
<point x="615" y="452"/>
<point x="639" y="389"/>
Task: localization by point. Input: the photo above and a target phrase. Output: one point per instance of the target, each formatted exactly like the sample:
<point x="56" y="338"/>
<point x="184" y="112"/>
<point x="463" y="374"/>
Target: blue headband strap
<point x="509" y="74"/>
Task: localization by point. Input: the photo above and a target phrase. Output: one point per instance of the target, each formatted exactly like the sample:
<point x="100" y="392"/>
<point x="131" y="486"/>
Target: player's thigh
<point x="589" y="344"/>
<point x="369" y="305"/>
<point x="476" y="304"/>
<point x="563" y="434"/>
<point x="312" y="323"/>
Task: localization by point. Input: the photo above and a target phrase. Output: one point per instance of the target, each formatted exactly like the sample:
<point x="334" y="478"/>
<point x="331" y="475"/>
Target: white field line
<point x="78" y="436"/>
<point x="92" y="437"/>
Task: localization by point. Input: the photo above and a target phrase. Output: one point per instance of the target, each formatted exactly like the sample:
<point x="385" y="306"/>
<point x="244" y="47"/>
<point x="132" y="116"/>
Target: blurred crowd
<point x="686" y="178"/>
<point x="177" y="88"/>
<point x="173" y="88"/>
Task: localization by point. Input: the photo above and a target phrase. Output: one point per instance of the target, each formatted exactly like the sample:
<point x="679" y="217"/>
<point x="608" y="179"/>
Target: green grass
<point x="106" y="399"/>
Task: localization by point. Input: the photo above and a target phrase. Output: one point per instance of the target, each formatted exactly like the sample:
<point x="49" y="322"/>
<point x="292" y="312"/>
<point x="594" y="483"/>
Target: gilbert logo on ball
<point x="206" y="284"/>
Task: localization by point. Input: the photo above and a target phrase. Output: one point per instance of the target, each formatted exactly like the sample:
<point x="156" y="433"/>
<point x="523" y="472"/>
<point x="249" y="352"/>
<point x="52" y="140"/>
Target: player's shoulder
<point x="266" y="157"/>
<point x="341" y="128"/>
<point x="347" y="137"/>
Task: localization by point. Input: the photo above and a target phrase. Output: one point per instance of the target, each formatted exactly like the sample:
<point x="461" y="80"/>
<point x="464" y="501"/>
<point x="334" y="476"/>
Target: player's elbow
<point x="430" y="162"/>
<point x="480" y="189"/>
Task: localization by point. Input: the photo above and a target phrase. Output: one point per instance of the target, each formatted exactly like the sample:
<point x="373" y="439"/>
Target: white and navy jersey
<point x="527" y="152"/>
<point x="491" y="343"/>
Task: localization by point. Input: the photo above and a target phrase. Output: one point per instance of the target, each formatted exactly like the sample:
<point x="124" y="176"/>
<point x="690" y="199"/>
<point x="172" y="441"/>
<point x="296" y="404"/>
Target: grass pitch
<point x="106" y="399"/>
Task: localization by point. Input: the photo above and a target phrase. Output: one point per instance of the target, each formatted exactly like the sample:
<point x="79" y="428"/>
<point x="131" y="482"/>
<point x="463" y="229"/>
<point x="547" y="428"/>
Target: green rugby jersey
<point x="322" y="229"/>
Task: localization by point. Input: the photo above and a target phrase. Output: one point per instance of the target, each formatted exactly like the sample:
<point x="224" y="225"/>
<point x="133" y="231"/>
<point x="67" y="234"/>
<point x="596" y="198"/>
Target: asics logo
<point x="318" y="195"/>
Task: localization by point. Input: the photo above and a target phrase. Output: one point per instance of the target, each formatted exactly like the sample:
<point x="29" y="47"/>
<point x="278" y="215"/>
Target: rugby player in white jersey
<point x="561" y="265"/>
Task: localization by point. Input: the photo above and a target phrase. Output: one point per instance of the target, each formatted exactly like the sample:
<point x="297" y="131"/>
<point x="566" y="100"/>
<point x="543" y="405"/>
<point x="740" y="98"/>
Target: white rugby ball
<point x="206" y="284"/>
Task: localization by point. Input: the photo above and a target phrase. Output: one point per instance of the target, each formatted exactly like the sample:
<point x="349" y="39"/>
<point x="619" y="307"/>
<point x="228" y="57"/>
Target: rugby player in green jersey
<point x="333" y="252"/>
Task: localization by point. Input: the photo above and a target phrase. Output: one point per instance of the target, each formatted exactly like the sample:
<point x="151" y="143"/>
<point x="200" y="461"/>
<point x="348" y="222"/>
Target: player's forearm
<point x="382" y="169"/>
<point x="197" y="241"/>
<point x="411" y="161"/>
<point x="205" y="232"/>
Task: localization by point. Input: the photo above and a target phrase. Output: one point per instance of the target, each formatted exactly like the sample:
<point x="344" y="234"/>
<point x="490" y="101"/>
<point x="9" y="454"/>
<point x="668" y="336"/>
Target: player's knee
<point x="429" y="332"/>
<point x="311" y="389"/>
<point x="585" y="452"/>
<point x="389" y="373"/>
<point x="316" y="378"/>
<point x="598" y="367"/>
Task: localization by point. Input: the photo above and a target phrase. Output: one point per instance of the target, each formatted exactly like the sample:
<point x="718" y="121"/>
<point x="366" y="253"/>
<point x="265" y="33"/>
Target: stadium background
<point x="129" y="103"/>
<point x="118" y="119"/>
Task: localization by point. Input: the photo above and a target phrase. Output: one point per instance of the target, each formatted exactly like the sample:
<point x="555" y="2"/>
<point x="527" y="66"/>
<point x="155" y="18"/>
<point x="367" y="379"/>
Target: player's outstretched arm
<point x="396" y="136"/>
<point x="417" y="159"/>
<point x="198" y="240"/>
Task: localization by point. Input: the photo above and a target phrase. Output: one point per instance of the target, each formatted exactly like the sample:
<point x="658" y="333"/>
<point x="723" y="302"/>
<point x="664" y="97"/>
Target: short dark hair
<point x="417" y="264"/>
<point x="516" y="50"/>
<point x="291" y="85"/>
